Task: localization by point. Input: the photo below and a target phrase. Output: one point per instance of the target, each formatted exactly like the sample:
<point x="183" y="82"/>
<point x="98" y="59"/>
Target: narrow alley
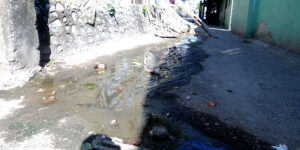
<point x="149" y="74"/>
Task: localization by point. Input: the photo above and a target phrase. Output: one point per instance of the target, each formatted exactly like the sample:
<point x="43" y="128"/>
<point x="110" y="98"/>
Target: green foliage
<point x="179" y="10"/>
<point x="193" y="93"/>
<point x="145" y="9"/>
<point x="111" y="9"/>
<point x="51" y="62"/>
<point x="198" y="5"/>
<point x="90" y="86"/>
<point x="155" y="7"/>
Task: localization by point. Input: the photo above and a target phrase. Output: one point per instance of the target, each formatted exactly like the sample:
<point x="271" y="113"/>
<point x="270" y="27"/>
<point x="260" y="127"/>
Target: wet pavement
<point x="72" y="102"/>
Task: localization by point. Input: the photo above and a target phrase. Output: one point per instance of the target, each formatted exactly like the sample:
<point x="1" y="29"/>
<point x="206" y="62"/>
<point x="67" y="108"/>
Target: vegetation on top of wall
<point x="51" y="62"/>
<point x="199" y="5"/>
<point x="156" y="7"/>
<point x="111" y="9"/>
<point x="145" y="9"/>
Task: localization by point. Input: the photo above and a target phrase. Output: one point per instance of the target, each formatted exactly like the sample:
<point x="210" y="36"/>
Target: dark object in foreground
<point x="99" y="142"/>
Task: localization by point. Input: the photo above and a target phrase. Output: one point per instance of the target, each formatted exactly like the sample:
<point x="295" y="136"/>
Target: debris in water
<point x="212" y="104"/>
<point x="159" y="132"/>
<point x="193" y="93"/>
<point x="188" y="98"/>
<point x="168" y="114"/>
<point x="230" y="91"/>
<point x="100" y="67"/>
<point x="49" y="99"/>
<point x="280" y="147"/>
<point x="118" y="109"/>
<point x="52" y="93"/>
<point x="90" y="86"/>
<point x="62" y="86"/>
<point x="114" y="123"/>
<point x="156" y="70"/>
<point x="136" y="64"/>
<point x="51" y="62"/>
<point x="138" y="86"/>
<point x="90" y="95"/>
<point x="40" y="90"/>
<point x="135" y="142"/>
<point x="121" y="89"/>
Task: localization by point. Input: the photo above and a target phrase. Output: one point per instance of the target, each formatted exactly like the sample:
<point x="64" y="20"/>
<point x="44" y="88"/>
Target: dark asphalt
<point x="255" y="86"/>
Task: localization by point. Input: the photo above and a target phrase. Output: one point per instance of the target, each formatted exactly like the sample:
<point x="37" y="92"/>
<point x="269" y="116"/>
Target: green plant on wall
<point x="156" y="7"/>
<point x="111" y="9"/>
<point x="145" y="9"/>
<point x="199" y="5"/>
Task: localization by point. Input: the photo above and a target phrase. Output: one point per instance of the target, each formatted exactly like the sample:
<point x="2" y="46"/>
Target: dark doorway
<point x="210" y="11"/>
<point x="42" y="8"/>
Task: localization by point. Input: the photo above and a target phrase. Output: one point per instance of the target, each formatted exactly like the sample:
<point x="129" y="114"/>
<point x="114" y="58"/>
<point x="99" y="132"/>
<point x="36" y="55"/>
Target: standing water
<point x="71" y="104"/>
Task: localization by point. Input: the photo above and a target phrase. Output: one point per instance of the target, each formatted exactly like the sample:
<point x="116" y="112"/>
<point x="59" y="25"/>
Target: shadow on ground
<point x="165" y="107"/>
<point x="168" y="120"/>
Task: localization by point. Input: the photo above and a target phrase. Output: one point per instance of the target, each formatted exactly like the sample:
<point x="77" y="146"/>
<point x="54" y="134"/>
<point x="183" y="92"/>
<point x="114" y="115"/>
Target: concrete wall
<point x="18" y="36"/>
<point x="4" y="32"/>
<point x="225" y="13"/>
<point x="33" y="31"/>
<point x="273" y="21"/>
<point x="75" y="23"/>
<point x="24" y="33"/>
<point x="240" y="16"/>
<point x="278" y="22"/>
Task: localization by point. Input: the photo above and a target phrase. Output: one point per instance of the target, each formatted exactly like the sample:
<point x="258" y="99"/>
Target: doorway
<point x="210" y="11"/>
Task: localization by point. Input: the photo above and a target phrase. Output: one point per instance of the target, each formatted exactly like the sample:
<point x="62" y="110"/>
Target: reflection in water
<point x="90" y="100"/>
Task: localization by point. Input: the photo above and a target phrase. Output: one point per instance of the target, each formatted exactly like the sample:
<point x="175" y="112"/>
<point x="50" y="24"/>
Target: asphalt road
<point x="255" y="86"/>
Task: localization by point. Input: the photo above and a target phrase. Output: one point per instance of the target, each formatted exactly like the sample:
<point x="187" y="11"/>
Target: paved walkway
<point x="255" y="86"/>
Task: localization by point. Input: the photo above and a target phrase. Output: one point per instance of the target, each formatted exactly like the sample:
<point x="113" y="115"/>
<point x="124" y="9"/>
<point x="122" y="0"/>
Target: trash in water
<point x="100" y="67"/>
<point x="114" y="122"/>
<point x="212" y="104"/>
<point x="49" y="99"/>
<point x="193" y="38"/>
<point x="118" y="109"/>
<point x="188" y="98"/>
<point x="136" y="64"/>
<point x="159" y="132"/>
<point x="280" y="147"/>
<point x="138" y="86"/>
<point x="121" y="89"/>
<point x="40" y="90"/>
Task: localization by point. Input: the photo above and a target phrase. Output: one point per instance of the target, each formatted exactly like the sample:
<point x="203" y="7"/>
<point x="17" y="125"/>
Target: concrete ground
<point x="254" y="85"/>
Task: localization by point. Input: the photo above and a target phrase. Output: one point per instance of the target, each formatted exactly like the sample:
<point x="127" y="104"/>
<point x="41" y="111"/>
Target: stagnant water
<point x="76" y="102"/>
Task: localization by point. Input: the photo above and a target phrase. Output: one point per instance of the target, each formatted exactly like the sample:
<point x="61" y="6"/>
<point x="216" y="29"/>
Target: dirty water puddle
<point x="72" y="103"/>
